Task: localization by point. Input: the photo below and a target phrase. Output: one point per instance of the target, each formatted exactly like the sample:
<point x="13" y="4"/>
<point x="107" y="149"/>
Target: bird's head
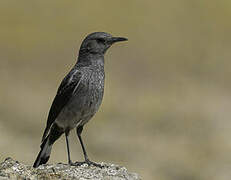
<point x="98" y="43"/>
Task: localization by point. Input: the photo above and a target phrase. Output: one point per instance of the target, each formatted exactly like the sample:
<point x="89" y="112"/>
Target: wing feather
<point x="68" y="86"/>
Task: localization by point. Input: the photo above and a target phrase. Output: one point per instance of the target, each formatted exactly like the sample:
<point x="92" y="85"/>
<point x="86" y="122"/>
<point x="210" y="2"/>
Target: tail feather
<point x="46" y="145"/>
<point x="44" y="153"/>
<point x="45" y="133"/>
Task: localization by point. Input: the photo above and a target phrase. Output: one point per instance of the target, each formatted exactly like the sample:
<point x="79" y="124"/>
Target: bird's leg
<point x="87" y="161"/>
<point x="79" y="131"/>
<point x="68" y="149"/>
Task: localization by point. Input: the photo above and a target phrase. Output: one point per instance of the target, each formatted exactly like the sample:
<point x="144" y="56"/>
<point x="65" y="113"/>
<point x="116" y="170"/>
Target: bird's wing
<point x="68" y="86"/>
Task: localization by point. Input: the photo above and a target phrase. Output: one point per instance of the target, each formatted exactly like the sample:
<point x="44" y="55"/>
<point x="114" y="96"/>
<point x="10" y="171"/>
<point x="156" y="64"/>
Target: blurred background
<point x="166" y="110"/>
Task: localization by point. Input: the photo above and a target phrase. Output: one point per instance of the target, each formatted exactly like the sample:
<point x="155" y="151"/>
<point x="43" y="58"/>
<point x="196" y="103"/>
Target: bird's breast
<point x="96" y="87"/>
<point x="85" y="102"/>
<point x="90" y="93"/>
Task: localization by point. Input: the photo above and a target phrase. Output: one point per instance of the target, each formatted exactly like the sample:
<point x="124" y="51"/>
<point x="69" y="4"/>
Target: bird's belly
<point x="79" y="111"/>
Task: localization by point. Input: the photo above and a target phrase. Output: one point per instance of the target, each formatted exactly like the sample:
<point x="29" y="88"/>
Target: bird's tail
<point x="46" y="145"/>
<point x="44" y="153"/>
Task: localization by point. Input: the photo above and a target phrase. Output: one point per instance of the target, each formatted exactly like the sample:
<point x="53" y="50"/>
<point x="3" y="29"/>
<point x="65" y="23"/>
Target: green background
<point x="166" y="110"/>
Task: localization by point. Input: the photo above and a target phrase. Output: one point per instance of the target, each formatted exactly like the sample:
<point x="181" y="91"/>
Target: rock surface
<point x="11" y="169"/>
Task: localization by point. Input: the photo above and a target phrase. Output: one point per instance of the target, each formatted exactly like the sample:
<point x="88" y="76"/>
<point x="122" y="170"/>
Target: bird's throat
<point x="92" y="59"/>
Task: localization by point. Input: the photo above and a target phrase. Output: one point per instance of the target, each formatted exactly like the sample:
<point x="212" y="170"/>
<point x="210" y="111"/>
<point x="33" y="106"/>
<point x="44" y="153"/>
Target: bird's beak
<point x="117" y="39"/>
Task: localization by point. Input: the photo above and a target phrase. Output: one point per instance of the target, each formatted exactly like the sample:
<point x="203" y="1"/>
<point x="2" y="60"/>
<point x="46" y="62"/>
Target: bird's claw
<point x="88" y="162"/>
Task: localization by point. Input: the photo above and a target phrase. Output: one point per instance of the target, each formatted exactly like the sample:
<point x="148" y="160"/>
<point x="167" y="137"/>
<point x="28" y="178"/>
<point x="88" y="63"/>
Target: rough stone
<point x="11" y="169"/>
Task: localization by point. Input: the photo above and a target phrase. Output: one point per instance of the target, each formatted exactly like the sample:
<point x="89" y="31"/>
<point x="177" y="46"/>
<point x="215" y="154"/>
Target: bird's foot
<point x="88" y="162"/>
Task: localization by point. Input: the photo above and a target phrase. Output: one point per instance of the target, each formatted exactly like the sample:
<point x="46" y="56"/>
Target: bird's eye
<point x="101" y="40"/>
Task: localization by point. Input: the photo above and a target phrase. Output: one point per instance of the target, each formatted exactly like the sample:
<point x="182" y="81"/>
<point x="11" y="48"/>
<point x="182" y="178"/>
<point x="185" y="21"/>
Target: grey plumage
<point x="79" y="95"/>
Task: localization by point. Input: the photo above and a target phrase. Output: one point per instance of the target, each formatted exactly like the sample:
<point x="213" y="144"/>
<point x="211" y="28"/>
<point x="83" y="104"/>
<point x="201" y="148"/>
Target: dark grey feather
<point x="65" y="91"/>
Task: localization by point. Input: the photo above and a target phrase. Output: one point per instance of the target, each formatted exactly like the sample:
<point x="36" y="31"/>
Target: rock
<point x="11" y="169"/>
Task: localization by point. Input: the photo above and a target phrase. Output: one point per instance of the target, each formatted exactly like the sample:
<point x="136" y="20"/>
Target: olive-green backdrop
<point x="166" y="110"/>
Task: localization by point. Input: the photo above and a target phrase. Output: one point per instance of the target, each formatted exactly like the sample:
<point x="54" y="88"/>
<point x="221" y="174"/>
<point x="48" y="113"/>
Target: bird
<point x="78" y="97"/>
